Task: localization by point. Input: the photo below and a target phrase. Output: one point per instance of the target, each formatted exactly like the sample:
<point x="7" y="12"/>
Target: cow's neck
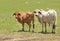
<point x="19" y="20"/>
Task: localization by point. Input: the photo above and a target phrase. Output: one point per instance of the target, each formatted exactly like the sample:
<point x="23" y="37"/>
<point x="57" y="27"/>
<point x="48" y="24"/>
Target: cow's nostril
<point x="16" y="16"/>
<point x="36" y="15"/>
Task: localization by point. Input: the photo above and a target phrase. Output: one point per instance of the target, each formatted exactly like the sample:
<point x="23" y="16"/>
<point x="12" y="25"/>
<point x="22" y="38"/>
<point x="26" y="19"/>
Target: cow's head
<point x="16" y="14"/>
<point x="37" y="12"/>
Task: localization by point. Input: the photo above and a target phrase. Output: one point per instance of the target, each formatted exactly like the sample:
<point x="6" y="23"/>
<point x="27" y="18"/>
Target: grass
<point x="10" y="26"/>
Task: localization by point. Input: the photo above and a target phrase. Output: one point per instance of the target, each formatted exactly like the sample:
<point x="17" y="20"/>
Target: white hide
<point x="49" y="16"/>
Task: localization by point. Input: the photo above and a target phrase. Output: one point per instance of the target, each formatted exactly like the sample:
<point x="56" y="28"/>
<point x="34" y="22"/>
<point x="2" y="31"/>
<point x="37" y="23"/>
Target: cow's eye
<point x="39" y="12"/>
<point x="34" y="11"/>
<point x="14" y="14"/>
<point x="18" y="13"/>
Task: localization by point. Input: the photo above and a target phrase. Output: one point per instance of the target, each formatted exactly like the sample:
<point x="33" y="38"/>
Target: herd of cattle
<point x="44" y="17"/>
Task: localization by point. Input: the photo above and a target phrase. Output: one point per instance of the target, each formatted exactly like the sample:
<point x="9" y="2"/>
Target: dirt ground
<point x="30" y="37"/>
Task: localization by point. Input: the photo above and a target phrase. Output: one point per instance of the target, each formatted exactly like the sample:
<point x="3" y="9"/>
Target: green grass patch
<point x="8" y="23"/>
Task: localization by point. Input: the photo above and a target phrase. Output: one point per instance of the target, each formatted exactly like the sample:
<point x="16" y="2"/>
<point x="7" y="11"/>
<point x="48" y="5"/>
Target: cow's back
<point x="27" y="16"/>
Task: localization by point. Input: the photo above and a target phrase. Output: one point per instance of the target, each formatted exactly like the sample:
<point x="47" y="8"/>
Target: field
<point x="10" y="28"/>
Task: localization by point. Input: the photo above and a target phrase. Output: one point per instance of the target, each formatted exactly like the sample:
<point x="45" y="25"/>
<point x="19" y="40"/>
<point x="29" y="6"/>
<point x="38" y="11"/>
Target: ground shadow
<point x="35" y="32"/>
<point x="47" y="33"/>
<point x="21" y="31"/>
<point x="44" y="32"/>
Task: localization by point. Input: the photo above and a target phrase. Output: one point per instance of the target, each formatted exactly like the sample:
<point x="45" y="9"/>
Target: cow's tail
<point x="33" y="22"/>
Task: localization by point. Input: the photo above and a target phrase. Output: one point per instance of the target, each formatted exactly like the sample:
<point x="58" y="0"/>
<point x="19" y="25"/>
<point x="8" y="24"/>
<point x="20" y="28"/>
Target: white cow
<point x="45" y="17"/>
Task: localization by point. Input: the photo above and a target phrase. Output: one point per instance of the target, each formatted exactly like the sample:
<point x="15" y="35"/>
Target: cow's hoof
<point x="45" y="31"/>
<point x="32" y="30"/>
<point x="42" y="32"/>
<point x="29" y="31"/>
<point x="22" y="30"/>
<point x="53" y="32"/>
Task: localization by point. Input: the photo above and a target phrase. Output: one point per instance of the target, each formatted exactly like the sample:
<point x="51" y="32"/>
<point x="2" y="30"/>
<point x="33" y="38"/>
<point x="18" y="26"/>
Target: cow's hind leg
<point x="33" y="28"/>
<point x="29" y="27"/>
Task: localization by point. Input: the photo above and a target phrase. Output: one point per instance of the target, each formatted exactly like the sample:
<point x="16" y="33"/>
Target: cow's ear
<point x="19" y="14"/>
<point x="14" y="14"/>
<point x="39" y="12"/>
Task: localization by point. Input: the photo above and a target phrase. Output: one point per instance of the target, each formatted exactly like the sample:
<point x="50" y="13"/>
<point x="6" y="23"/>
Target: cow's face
<point x="36" y="12"/>
<point x="17" y="14"/>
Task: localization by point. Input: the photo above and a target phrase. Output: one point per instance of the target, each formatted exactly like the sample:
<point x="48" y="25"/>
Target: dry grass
<point x="26" y="36"/>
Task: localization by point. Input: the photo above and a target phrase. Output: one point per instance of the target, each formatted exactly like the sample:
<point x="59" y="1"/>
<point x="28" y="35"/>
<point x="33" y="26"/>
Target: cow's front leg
<point x="42" y="28"/>
<point x="53" y="28"/>
<point x="45" y="28"/>
<point x="22" y="27"/>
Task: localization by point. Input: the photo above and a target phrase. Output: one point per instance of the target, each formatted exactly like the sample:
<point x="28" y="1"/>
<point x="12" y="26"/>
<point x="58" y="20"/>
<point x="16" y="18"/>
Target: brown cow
<point x="25" y="17"/>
